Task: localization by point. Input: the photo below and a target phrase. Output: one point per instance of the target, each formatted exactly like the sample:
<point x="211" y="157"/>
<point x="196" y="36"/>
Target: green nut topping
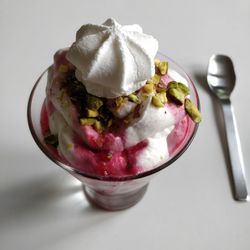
<point x="119" y="101"/>
<point x="51" y="140"/>
<point x="94" y="102"/>
<point x="98" y="126"/>
<point x="157" y="62"/>
<point x="63" y="68"/>
<point x="87" y="121"/>
<point x="149" y="88"/>
<point x="156" y="101"/>
<point x="163" y="67"/>
<point x="162" y="96"/>
<point x="155" y="79"/>
<point x="192" y="111"/>
<point x="182" y="87"/>
<point x="176" y="95"/>
<point x="92" y="122"/>
<point x="110" y="122"/>
<point x="134" y="98"/>
<point x="92" y="113"/>
<point x="177" y="92"/>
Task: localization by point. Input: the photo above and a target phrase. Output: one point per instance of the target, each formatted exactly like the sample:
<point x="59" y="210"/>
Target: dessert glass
<point x="107" y="192"/>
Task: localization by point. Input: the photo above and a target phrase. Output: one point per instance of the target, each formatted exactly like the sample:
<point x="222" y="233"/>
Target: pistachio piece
<point x="155" y="79"/>
<point x="70" y="146"/>
<point x="51" y="140"/>
<point x="98" y="126"/>
<point x="119" y="101"/>
<point x="179" y="86"/>
<point x="163" y="67"/>
<point x="184" y="88"/>
<point x="172" y="84"/>
<point x="156" y="101"/>
<point x="134" y="98"/>
<point x="161" y="90"/>
<point x="110" y="122"/>
<point x="148" y="88"/>
<point x="176" y="95"/>
<point x="87" y="121"/>
<point x="92" y="113"/>
<point x="157" y="61"/>
<point x="63" y="68"/>
<point x="94" y="102"/>
<point x="162" y="96"/>
<point x="192" y="110"/>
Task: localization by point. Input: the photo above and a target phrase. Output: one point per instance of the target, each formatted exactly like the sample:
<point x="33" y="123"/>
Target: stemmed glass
<point x="109" y="192"/>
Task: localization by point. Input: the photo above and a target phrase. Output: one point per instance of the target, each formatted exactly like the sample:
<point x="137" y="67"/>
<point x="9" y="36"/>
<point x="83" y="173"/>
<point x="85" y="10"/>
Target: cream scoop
<point x="112" y="60"/>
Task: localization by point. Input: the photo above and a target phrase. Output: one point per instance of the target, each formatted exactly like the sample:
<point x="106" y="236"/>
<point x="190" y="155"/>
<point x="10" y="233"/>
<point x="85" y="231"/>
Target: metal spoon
<point x="221" y="80"/>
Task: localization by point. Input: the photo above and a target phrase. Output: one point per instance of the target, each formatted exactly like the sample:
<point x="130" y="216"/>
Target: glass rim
<point x="112" y="178"/>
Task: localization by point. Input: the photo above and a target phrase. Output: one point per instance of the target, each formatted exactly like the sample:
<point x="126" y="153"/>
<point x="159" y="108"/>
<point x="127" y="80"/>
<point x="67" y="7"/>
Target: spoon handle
<point x="235" y="153"/>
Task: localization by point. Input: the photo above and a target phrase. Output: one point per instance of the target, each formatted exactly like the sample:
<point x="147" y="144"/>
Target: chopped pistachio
<point x="162" y="96"/>
<point x="192" y="111"/>
<point x="157" y="62"/>
<point x="143" y="97"/>
<point x="148" y="88"/>
<point x="51" y="140"/>
<point x="119" y="101"/>
<point x="87" y="121"/>
<point x="70" y="146"/>
<point x="92" y="113"/>
<point x="172" y="84"/>
<point x="180" y="86"/>
<point x="177" y="92"/>
<point x="64" y="101"/>
<point x="94" y="102"/>
<point x="176" y="95"/>
<point x="110" y="122"/>
<point x="155" y="79"/>
<point x="134" y="98"/>
<point x="163" y="67"/>
<point x="157" y="101"/>
<point x="184" y="88"/>
<point x="161" y="90"/>
<point x="98" y="126"/>
<point x="63" y="68"/>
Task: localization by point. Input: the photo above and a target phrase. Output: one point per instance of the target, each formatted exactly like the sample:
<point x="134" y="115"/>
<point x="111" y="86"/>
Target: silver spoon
<point x="221" y="80"/>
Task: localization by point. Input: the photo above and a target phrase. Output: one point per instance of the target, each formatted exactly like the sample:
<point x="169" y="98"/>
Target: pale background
<point x="188" y="206"/>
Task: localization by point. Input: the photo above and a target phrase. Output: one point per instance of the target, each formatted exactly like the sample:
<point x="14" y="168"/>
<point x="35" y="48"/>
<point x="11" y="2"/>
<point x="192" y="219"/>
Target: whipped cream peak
<point x="112" y="60"/>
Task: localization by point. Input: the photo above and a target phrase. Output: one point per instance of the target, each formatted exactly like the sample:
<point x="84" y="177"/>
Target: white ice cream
<point x="113" y="60"/>
<point x="154" y="125"/>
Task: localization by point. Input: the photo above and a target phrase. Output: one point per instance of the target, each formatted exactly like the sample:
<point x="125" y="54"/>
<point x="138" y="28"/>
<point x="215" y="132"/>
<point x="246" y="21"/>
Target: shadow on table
<point x="200" y="78"/>
<point x="35" y="201"/>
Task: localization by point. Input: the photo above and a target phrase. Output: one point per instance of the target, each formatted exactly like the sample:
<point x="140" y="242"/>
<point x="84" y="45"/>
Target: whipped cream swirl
<point x="113" y="60"/>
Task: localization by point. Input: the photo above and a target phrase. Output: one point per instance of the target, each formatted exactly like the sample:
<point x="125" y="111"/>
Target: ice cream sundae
<point x="112" y="108"/>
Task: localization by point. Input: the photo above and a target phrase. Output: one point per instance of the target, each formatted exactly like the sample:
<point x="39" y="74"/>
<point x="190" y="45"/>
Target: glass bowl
<point x="108" y="192"/>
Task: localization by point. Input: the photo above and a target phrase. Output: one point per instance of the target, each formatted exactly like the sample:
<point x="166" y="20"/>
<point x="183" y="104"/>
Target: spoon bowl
<point x="221" y="76"/>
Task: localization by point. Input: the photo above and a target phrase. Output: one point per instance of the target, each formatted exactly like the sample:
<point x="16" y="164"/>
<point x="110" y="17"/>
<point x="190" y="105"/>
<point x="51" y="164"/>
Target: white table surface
<point x="187" y="206"/>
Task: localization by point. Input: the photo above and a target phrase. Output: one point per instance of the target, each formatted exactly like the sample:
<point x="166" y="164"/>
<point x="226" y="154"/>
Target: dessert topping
<point x="156" y="101"/>
<point x="192" y="111"/>
<point x="63" y="68"/>
<point x="134" y="98"/>
<point x="163" y="68"/>
<point x="112" y="60"/>
<point x="155" y="79"/>
<point x="149" y="88"/>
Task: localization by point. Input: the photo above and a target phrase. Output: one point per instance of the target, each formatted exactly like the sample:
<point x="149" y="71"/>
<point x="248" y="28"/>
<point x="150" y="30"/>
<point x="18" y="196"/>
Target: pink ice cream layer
<point x="103" y="154"/>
